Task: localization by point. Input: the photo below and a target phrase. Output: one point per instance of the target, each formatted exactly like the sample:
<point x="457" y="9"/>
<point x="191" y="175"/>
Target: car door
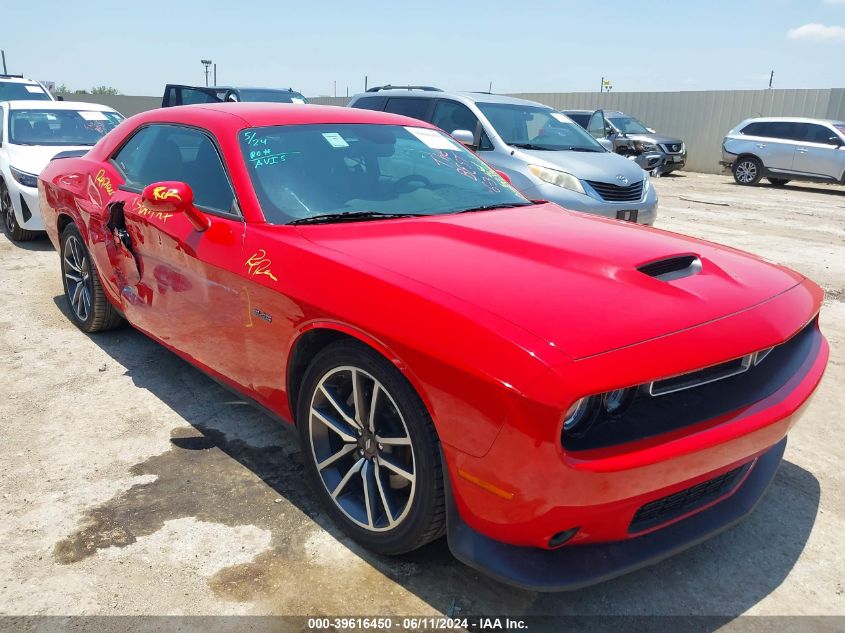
<point x="186" y="287"/>
<point x="819" y="151"/>
<point x="599" y="129"/>
<point x="773" y="142"/>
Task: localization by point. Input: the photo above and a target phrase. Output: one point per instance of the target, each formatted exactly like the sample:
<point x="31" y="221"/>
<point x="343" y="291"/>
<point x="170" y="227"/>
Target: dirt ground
<point x="133" y="484"/>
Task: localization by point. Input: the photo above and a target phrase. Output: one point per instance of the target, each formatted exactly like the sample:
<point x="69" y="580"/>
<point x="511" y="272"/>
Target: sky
<point x="538" y="46"/>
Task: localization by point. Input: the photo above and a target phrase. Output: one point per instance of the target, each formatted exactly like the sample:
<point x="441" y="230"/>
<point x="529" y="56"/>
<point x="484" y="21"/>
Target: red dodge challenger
<point x="566" y="397"/>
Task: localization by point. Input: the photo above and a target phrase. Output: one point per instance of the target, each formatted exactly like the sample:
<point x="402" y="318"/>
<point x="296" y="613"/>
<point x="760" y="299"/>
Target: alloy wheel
<point x="362" y="449"/>
<point x="746" y="171"/>
<point x="77" y="272"/>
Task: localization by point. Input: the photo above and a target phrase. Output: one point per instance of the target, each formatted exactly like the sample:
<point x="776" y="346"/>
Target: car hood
<point x="598" y="166"/>
<point x="568" y="278"/>
<point x="34" y="158"/>
<point x="654" y="138"/>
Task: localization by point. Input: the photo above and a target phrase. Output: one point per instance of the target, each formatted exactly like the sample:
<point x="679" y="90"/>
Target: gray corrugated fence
<point x="700" y="118"/>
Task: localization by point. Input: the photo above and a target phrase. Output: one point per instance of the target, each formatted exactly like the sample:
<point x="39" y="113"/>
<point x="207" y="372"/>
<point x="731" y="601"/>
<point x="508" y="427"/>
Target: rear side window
<point x="192" y="95"/>
<point x="370" y="103"/>
<point x="784" y="130"/>
<point x="580" y="119"/>
<point x="415" y="108"/>
<point x="171" y="152"/>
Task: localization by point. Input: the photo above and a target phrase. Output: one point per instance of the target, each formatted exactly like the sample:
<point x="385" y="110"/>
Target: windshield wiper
<point x="532" y="146"/>
<point x="352" y="216"/>
<point x="583" y="149"/>
<point x="488" y="207"/>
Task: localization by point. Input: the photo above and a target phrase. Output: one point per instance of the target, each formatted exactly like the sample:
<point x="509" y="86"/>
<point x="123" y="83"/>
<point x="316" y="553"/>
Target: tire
<point x="778" y="182"/>
<point x="747" y="171"/>
<point x="90" y="310"/>
<point x="11" y="228"/>
<point x="393" y="513"/>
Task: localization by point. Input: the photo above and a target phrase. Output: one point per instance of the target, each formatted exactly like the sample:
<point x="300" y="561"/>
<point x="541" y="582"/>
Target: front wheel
<point x="748" y="171"/>
<point x="11" y="228"/>
<point x="370" y="447"/>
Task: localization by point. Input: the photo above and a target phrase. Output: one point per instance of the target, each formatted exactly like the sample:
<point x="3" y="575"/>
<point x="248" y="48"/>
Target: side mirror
<point x="606" y="143"/>
<point x="652" y="130"/>
<point x="835" y="140"/>
<point x="504" y="176"/>
<point x="60" y="98"/>
<point x="464" y="137"/>
<point x="175" y="197"/>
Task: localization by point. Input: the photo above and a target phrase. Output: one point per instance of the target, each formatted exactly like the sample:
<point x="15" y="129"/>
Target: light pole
<point x="206" y="63"/>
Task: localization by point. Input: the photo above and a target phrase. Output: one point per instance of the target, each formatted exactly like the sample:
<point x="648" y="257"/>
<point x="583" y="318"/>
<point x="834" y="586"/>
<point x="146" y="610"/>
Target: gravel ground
<point x="132" y="484"/>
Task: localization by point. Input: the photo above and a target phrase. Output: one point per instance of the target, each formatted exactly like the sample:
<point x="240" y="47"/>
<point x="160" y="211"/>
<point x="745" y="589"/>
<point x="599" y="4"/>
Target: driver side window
<point x="451" y="115"/>
<point x="170" y="152"/>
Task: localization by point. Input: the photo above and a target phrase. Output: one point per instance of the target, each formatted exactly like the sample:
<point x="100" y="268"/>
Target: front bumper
<point x="661" y="162"/>
<point x="25" y="204"/>
<point x="570" y="568"/>
<point x="646" y="207"/>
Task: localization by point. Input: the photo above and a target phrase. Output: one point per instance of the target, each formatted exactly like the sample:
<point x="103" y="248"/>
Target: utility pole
<point x="335" y="88"/>
<point x="215" y="74"/>
<point x="365" y="83"/>
<point x="490" y="88"/>
<point x="601" y="86"/>
<point x="771" y="78"/>
<point x="206" y="63"/>
<point x="5" y="72"/>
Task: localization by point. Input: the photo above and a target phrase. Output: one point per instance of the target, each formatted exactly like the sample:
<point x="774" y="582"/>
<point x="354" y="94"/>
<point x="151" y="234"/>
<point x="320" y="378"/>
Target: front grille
<point x="615" y="193"/>
<point x="672" y="148"/>
<point x="696" y="398"/>
<point x="666" y="509"/>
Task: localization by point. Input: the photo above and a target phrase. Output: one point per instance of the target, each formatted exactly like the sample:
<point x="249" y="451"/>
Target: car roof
<point x="249" y="114"/>
<point x="792" y="119"/>
<point x="16" y="79"/>
<point x="232" y="88"/>
<point x="57" y="105"/>
<point x="459" y="95"/>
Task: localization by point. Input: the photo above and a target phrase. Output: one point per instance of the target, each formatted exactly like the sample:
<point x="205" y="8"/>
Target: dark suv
<point x="630" y="137"/>
<point x="176" y="95"/>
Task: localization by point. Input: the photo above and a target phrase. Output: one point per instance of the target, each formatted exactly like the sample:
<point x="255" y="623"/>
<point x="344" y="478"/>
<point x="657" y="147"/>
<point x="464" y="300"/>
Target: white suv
<point x="781" y="149"/>
<point x="31" y="134"/>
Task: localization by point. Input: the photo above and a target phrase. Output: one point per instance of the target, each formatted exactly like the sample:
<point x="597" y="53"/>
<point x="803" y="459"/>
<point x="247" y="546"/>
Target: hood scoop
<point x="672" y="268"/>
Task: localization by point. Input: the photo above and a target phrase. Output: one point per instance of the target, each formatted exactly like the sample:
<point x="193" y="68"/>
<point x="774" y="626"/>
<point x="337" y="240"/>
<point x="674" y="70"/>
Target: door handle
<point x="803" y="150"/>
<point x="761" y="145"/>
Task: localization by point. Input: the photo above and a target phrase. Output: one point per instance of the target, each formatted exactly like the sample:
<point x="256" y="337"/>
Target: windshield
<point x="271" y="96"/>
<point x="14" y="91"/>
<point x="303" y="171"/>
<point x="628" y="125"/>
<point x="60" y="127"/>
<point x="537" y="127"/>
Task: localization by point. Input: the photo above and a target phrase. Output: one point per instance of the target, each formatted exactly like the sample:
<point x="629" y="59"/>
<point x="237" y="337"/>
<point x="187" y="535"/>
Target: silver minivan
<point x="545" y="154"/>
<point x="781" y="149"/>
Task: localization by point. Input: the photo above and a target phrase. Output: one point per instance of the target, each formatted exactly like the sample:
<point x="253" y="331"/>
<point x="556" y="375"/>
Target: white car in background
<point x="31" y="134"/>
<point x="19" y="88"/>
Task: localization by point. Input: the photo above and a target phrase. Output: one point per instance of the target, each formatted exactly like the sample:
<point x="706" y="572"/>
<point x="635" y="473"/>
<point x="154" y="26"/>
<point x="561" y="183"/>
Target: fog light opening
<point x="561" y="538"/>
<point x="616" y="402"/>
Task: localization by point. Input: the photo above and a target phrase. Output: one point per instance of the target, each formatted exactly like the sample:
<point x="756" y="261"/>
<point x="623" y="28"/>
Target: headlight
<point x="557" y="178"/>
<point x="579" y="416"/>
<point x="24" y="178"/>
<point x="642" y="146"/>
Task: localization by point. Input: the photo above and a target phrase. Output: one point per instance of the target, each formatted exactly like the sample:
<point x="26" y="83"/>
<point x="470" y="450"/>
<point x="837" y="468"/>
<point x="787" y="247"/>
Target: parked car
<point x="566" y="398"/>
<point x="630" y="137"/>
<point x="31" y="133"/>
<point x="545" y="155"/>
<point x="176" y="95"/>
<point x="781" y="149"/>
<point x="18" y="88"/>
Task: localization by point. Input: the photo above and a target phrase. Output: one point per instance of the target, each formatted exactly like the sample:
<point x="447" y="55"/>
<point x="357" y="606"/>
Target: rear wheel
<point x="371" y="449"/>
<point x="778" y="182"/>
<point x="11" y="228"/>
<point x="748" y="171"/>
<point x="90" y="310"/>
